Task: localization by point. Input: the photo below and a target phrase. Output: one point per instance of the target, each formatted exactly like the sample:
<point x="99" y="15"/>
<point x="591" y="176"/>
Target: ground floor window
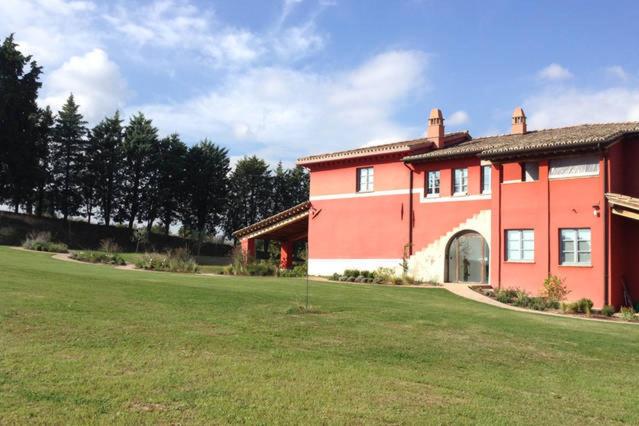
<point x="520" y="245"/>
<point x="575" y="246"/>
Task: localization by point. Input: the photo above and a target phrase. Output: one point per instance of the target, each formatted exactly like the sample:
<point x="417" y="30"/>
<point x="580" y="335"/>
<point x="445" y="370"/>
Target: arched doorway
<point x="467" y="258"/>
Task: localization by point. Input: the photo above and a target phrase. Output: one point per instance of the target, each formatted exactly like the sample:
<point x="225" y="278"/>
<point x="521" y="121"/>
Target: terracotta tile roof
<point x="623" y="200"/>
<point x="366" y="151"/>
<point x="271" y="220"/>
<point x="540" y="141"/>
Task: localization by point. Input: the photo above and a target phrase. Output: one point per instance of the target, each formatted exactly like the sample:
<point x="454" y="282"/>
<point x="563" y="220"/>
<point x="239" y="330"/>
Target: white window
<point x="520" y="245"/>
<point x="485" y="179"/>
<point x="365" y="179"/>
<point x="574" y="167"/>
<point x="531" y="172"/>
<point x="460" y="181"/>
<point x="432" y="185"/>
<point x="575" y="246"/>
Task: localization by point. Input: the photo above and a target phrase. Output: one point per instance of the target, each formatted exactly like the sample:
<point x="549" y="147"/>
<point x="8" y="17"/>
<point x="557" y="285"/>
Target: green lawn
<point x="91" y="344"/>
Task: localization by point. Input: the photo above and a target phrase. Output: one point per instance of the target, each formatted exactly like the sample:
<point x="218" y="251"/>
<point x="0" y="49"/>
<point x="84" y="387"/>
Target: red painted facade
<point x="351" y="229"/>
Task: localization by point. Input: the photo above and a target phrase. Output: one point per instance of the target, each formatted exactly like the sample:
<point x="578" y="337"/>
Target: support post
<point x="286" y="255"/>
<point x="248" y="248"/>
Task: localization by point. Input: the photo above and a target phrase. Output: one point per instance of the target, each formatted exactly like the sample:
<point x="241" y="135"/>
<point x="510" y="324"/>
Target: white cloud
<point x="94" y="80"/>
<point x="554" y="72"/>
<point x="50" y="30"/>
<point x="458" y="118"/>
<point x="617" y="71"/>
<point x="281" y="113"/>
<point x="554" y="108"/>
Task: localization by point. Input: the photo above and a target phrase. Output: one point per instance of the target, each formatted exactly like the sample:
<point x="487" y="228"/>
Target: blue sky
<point x="287" y="78"/>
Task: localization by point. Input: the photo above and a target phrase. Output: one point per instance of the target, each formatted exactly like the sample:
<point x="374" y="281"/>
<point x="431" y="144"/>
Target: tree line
<point x="125" y="173"/>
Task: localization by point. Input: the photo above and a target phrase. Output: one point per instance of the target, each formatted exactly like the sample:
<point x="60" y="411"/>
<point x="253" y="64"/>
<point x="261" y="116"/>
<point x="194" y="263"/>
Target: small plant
<point x="178" y="260"/>
<point x="300" y="308"/>
<point x="335" y="277"/>
<point x="397" y="280"/>
<point x="584" y="306"/>
<point x="99" y="257"/>
<point x="627" y="313"/>
<point x="41" y="241"/>
<point x="109" y="246"/>
<point x="608" y="310"/>
<point x="505" y="295"/>
<point x="555" y="288"/>
<point x="352" y="273"/>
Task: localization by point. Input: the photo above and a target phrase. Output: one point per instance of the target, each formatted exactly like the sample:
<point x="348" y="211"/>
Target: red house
<point x="506" y="210"/>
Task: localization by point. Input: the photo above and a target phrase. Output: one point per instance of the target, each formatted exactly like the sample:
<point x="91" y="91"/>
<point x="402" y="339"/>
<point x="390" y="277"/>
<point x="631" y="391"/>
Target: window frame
<point x="464" y="183"/>
<point x="437" y="173"/>
<point x="370" y="179"/>
<point x="521" y="249"/>
<point x="576" y="251"/>
<point x="485" y="179"/>
<point x="525" y="169"/>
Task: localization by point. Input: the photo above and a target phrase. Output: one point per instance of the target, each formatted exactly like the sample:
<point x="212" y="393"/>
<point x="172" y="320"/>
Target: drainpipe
<point x="604" y="214"/>
<point x="410" y="209"/>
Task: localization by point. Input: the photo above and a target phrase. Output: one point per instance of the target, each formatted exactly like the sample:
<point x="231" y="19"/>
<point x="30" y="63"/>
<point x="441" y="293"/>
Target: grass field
<point x="91" y="344"/>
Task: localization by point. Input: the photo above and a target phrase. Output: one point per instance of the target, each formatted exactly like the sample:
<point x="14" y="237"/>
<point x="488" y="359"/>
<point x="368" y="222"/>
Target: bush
<point x="41" y="241"/>
<point x="108" y="245"/>
<point x="177" y="260"/>
<point x="608" y="310"/>
<point x="99" y="257"/>
<point x="300" y="270"/>
<point x="262" y="268"/>
<point x="505" y="295"/>
<point x="351" y="273"/>
<point x="581" y="306"/>
<point x="335" y="276"/>
<point x="555" y="288"/>
<point x="627" y="313"/>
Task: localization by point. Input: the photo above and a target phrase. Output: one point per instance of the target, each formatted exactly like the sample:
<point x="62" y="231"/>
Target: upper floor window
<point x="365" y="179"/>
<point x="485" y="179"/>
<point x="575" y="246"/>
<point x="574" y="167"/>
<point x="460" y="181"/>
<point x="432" y="183"/>
<point x="531" y="172"/>
<point x="520" y="245"/>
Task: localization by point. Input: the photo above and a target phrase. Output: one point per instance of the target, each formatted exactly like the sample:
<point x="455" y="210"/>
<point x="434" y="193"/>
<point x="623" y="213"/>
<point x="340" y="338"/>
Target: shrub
<point x="608" y="310"/>
<point x="300" y="270"/>
<point x="41" y="241"/>
<point x="397" y="280"/>
<point x="555" y="288"/>
<point x="409" y="280"/>
<point x="522" y="299"/>
<point x="584" y="306"/>
<point x="178" y="260"/>
<point x="262" y="268"/>
<point x="109" y="246"/>
<point x="384" y="275"/>
<point x="627" y="313"/>
<point x="352" y="273"/>
<point x="335" y="276"/>
<point x="505" y="295"/>
<point x="99" y="257"/>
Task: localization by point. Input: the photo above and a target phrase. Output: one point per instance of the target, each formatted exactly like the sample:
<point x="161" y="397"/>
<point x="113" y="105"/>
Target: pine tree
<point x="19" y="165"/>
<point x="250" y="193"/>
<point x="171" y="175"/>
<point x="107" y="160"/>
<point x="206" y="188"/>
<point x="67" y="159"/>
<point x="45" y="128"/>
<point x="140" y="137"/>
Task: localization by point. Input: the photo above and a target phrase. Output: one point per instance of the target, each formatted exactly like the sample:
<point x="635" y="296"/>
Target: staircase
<point x="429" y="263"/>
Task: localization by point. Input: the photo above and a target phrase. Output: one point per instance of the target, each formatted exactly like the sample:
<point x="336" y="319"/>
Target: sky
<point x="287" y="78"/>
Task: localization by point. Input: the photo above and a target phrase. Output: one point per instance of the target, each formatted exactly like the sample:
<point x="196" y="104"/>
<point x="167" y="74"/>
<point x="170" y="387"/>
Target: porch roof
<point x="290" y="225"/>
<point x="624" y="205"/>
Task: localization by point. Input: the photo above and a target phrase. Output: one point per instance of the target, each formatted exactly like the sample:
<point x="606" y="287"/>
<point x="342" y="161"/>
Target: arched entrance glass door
<point x="467" y="259"/>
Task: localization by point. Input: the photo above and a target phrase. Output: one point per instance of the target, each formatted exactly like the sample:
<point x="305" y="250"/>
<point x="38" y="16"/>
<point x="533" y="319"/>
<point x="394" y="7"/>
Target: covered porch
<point x="287" y="227"/>
<point x="624" y="234"/>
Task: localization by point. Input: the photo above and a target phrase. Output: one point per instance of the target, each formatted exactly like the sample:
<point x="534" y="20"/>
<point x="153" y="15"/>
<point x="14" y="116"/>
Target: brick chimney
<point x="519" y="122"/>
<point x="435" y="132"/>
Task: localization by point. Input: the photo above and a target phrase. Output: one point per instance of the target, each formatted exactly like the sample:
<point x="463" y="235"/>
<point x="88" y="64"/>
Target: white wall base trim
<point x="331" y="266"/>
